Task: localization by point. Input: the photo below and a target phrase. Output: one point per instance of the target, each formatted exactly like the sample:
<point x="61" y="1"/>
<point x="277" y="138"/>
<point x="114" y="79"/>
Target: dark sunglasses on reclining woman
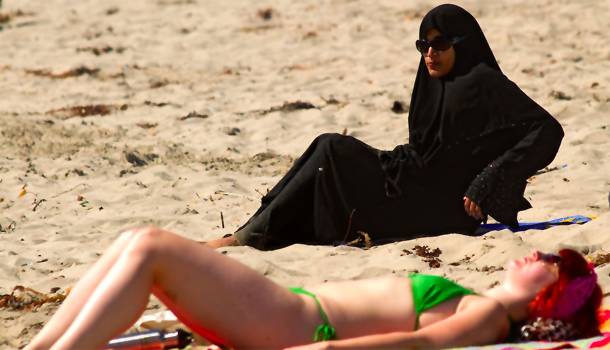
<point x="551" y="259"/>
<point x="440" y="43"/>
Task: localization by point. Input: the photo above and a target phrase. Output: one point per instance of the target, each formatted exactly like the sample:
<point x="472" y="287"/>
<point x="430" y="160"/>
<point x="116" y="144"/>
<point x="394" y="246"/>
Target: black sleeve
<point x="499" y="188"/>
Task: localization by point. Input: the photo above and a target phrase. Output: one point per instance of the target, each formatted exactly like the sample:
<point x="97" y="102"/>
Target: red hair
<point x="584" y="320"/>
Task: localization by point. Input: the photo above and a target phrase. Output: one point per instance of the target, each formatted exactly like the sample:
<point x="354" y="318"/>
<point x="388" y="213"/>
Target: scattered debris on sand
<point x="101" y="50"/>
<point x="194" y="114"/>
<point x="558" y="95"/>
<point x="147" y="125"/>
<point x="400" y="107"/>
<point x="76" y="72"/>
<point x="83" y="111"/>
<point x="158" y="84"/>
<point x="112" y="11"/>
<point x="598" y="257"/>
<point x="24" y="298"/>
<point x="289" y="107"/>
<point x="265" y="14"/>
<point x="429" y="256"/>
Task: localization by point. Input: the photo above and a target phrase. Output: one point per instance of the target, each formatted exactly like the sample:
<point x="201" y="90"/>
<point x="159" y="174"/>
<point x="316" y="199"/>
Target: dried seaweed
<point x="425" y="252"/>
<point x="84" y="111"/>
<point x="310" y="34"/>
<point x="466" y="260"/>
<point x="231" y="131"/>
<point x="260" y="28"/>
<point x="100" y="50"/>
<point x="558" y="95"/>
<point x="331" y="101"/>
<point x="136" y="159"/>
<point x="147" y="125"/>
<point x="175" y="2"/>
<point x="531" y="71"/>
<point x="76" y="72"/>
<point x="265" y="14"/>
<point x="405" y="252"/>
<point x="429" y="256"/>
<point x="289" y="107"/>
<point x="203" y="116"/>
<point x="491" y="269"/>
<point x="159" y="84"/>
<point x="298" y="67"/>
<point x="160" y="104"/>
<point x="7" y="17"/>
<point x="598" y="257"/>
<point x="24" y="298"/>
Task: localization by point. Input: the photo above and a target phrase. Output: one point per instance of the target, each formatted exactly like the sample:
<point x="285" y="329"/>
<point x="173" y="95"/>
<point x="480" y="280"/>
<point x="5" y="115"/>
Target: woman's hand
<point x="472" y="209"/>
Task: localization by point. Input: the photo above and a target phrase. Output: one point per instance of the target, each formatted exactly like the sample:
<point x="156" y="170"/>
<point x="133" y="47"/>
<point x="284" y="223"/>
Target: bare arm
<point x="480" y="324"/>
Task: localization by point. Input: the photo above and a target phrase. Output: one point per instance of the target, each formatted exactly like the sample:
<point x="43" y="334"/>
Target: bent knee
<point x="145" y="241"/>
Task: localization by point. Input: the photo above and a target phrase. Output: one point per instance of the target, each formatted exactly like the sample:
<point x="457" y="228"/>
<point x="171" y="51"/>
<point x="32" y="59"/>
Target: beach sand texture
<point x="187" y="97"/>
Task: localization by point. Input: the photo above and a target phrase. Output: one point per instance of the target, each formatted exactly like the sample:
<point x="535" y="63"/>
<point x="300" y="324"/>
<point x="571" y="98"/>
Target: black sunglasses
<point x="551" y="259"/>
<point x="440" y="43"/>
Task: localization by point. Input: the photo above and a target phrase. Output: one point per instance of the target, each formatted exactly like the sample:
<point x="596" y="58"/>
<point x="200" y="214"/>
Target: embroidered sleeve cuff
<point x="499" y="194"/>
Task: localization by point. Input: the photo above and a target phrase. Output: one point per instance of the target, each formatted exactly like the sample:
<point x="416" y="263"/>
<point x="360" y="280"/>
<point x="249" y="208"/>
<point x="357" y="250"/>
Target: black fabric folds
<point x="475" y="115"/>
<point x="472" y="133"/>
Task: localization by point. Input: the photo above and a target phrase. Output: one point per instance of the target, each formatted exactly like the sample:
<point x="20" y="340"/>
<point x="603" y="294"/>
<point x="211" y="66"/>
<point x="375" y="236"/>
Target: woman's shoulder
<point x="486" y="312"/>
<point x="488" y="306"/>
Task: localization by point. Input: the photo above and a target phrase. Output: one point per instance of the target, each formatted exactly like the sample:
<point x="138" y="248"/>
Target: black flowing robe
<point x="472" y="133"/>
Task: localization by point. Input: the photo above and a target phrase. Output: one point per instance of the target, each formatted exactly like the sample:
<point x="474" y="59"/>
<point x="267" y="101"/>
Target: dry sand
<point x="173" y="57"/>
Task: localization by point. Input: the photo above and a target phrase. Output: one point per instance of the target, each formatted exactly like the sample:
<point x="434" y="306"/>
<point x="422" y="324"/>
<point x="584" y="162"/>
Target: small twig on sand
<point x="38" y="203"/>
<point x="348" y="227"/>
<point x="367" y="240"/>
<point x="11" y="226"/>
<point x="222" y="220"/>
<point x="234" y="194"/>
<point x="72" y="189"/>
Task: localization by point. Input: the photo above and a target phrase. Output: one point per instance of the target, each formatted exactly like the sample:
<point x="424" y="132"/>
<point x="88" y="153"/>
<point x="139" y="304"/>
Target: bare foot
<point x="222" y="242"/>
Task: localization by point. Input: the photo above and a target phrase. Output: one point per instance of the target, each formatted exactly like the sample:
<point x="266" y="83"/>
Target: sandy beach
<point x="173" y="113"/>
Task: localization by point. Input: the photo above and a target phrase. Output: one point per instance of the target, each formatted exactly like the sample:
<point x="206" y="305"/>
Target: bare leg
<point x="79" y="295"/>
<point x="212" y="294"/>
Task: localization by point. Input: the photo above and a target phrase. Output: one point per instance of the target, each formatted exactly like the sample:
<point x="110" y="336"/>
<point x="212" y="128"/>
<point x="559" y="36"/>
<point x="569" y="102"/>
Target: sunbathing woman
<point x="231" y="304"/>
<point x="474" y="140"/>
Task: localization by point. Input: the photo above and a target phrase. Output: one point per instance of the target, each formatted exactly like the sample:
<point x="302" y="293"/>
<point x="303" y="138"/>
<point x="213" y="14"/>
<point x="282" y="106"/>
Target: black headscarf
<point x="473" y="115"/>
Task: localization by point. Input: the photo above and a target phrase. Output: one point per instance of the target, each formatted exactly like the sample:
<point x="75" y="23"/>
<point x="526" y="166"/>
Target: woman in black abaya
<point x="474" y="140"/>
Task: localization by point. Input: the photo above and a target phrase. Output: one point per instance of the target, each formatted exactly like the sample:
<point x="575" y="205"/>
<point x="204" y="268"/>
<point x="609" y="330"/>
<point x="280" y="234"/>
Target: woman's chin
<point x="435" y="73"/>
<point x="514" y="264"/>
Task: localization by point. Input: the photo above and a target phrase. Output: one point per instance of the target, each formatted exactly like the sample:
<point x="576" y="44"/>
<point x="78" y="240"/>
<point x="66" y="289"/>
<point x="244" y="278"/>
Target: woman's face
<point x="532" y="272"/>
<point x="439" y="63"/>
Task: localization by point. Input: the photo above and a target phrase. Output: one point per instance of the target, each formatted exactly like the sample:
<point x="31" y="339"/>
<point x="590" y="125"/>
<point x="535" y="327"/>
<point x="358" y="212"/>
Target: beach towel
<point x="600" y="342"/>
<point x="542" y="225"/>
<point x="166" y="321"/>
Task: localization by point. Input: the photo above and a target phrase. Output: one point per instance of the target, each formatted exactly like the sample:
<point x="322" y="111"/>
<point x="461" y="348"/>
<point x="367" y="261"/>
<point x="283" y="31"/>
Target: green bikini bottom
<point x="325" y="332"/>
